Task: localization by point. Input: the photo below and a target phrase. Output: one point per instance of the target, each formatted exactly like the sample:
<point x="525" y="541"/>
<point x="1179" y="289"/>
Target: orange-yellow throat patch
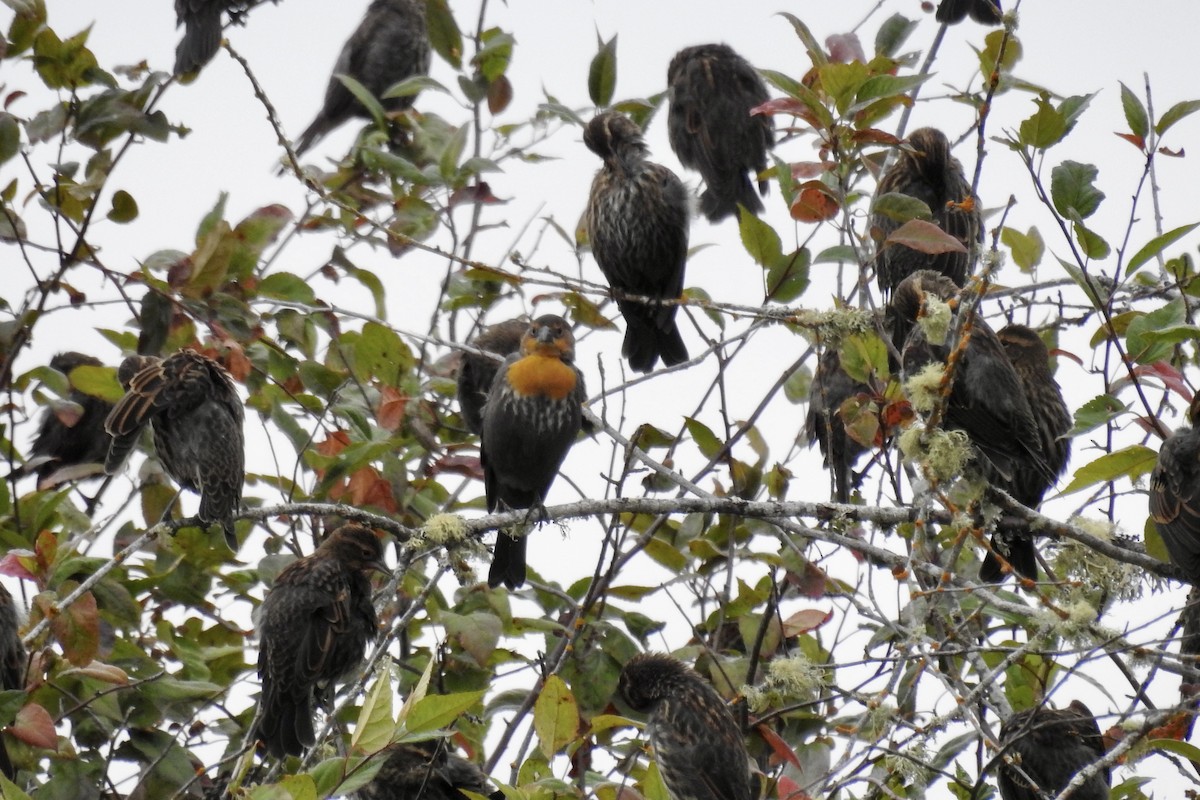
<point x="544" y="376"/>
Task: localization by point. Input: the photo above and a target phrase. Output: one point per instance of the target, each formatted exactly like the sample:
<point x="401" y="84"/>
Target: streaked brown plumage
<point x="1031" y="361"/>
<point x="476" y="373"/>
<point x="532" y="417"/>
<point x="986" y="400"/>
<point x="1175" y="495"/>
<point x="13" y="660"/>
<point x="1049" y="746"/>
<point x="926" y="170"/>
<point x="390" y="45"/>
<point x="1189" y="624"/>
<point x="314" y="627"/>
<point x="637" y="218"/>
<point x="711" y="90"/>
<point x="697" y="742"/>
<point x="986" y="12"/>
<point x="425" y="771"/>
<point x="83" y="440"/>
<point x="201" y="23"/>
<point x="190" y="403"/>
<point x="830" y="388"/>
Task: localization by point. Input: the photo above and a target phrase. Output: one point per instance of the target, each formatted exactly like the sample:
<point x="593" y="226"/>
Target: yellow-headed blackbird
<point x="201" y="23"/>
<point x="986" y="399"/>
<point x="390" y="45"/>
<point x="1031" y="361"/>
<point x="75" y="437"/>
<point x="830" y="388"/>
<point x="1175" y="495"/>
<point x="13" y="659"/>
<point x="532" y="416"/>
<point x="712" y="90"/>
<point x="425" y="771"/>
<point x="986" y="12"/>
<point x="190" y="403"/>
<point x="476" y="373"/>
<point x="698" y="744"/>
<point x="637" y="218"/>
<point x="1046" y="747"/>
<point x="926" y="171"/>
<point x="314" y="627"/>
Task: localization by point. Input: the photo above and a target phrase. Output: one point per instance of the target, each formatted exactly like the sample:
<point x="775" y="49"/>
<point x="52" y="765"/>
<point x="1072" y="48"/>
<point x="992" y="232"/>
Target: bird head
<point x="1024" y="347"/>
<point x="649" y="678"/>
<point x="550" y="336"/>
<point x="930" y="153"/>
<point x="614" y="137"/>
<point x="357" y="547"/>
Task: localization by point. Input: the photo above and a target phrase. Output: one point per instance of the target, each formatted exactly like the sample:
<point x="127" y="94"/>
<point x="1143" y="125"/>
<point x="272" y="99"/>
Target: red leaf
<point x="925" y="237"/>
<point x="814" y="203"/>
<point x="844" y="48"/>
<point x="780" y="750"/>
<point x="788" y="789"/>
<point x="810" y="169"/>
<point x="806" y="620"/>
<point x="11" y="565"/>
<point x="780" y="105"/>
<point x="1133" y="139"/>
<point x="392" y="405"/>
<point x="77" y="629"/>
<point x="35" y="727"/>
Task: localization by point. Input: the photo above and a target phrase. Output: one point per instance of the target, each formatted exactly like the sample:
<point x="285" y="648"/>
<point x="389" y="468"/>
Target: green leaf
<point x="444" y="34"/>
<point x="892" y="34"/>
<point x="382" y="354"/>
<point x="1157" y="245"/>
<point x="555" y="716"/>
<point x="1098" y="411"/>
<point x="787" y="278"/>
<point x="991" y="55"/>
<point x="1188" y="751"/>
<point x="439" y="710"/>
<point x="796" y="388"/>
<point x="1135" y="113"/>
<point x="760" y="240"/>
<point x="286" y="286"/>
<point x="900" y="207"/>
<point x="1071" y="189"/>
<point x="369" y="101"/>
<point x="1148" y="339"/>
<point x="124" y="207"/>
<point x="10" y="136"/>
<point x="98" y="382"/>
<point x="1093" y="244"/>
<point x="1027" y="248"/>
<point x="375" y="725"/>
<point x="602" y="73"/>
<point x="1045" y="128"/>
<point x="1131" y="462"/>
<point x="704" y="438"/>
<point x="1175" y="113"/>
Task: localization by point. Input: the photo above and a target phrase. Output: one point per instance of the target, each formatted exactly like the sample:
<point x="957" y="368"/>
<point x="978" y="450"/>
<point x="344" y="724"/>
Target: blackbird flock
<point x="520" y="391"/>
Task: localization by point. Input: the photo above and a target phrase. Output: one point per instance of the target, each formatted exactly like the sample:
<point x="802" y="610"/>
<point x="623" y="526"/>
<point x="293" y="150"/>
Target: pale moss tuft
<point x="942" y="454"/>
<point x="935" y="319"/>
<point x="924" y="390"/>
<point x="911" y="766"/>
<point x="1101" y="578"/>
<point x="789" y="680"/>
<point x="876" y="722"/>
<point x="445" y="530"/>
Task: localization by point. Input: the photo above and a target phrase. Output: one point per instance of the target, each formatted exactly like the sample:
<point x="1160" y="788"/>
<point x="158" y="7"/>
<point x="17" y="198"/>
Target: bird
<point x="711" y="92"/>
<point x="476" y="373"/>
<point x="190" y="403"/>
<point x="67" y="440"/>
<point x="830" y="388"/>
<point x="13" y="659"/>
<point x="314" y="627"/>
<point x="697" y="742"/>
<point x="201" y="23"/>
<point x="637" y="220"/>
<point x="425" y="771"/>
<point x="1048" y="747"/>
<point x="390" y="45"/>
<point x="986" y="400"/>
<point x="985" y="12"/>
<point x="926" y="170"/>
<point x="533" y="413"/>
<point x="1031" y="361"/>
<point x="1175" y="495"/>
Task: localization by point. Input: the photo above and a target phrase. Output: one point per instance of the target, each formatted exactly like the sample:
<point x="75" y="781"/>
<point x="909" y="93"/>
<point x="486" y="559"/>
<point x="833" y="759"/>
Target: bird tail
<point x="724" y="201"/>
<point x="645" y="343"/>
<point x="508" y="561"/>
<point x="1017" y="549"/>
<point x="286" y="727"/>
<point x="201" y="38"/>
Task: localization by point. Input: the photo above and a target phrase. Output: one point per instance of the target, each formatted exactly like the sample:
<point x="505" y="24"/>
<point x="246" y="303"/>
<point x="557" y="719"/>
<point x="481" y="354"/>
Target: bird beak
<point x="380" y="566"/>
<point x="545" y="335"/>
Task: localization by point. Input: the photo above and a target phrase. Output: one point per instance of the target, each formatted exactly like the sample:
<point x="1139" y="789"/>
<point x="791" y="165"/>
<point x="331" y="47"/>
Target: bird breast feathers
<point x="542" y="376"/>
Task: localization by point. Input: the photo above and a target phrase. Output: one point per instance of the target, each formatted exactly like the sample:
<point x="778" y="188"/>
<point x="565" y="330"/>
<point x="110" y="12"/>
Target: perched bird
<point x="12" y="662"/>
<point x="926" y="171"/>
<point x="476" y="373"/>
<point x="190" y="403"/>
<point x="698" y="744"/>
<point x="425" y="771"/>
<point x="390" y="45"/>
<point x="1175" y="495"/>
<point x="1047" y="747"/>
<point x="532" y="416"/>
<point x="314" y="627"/>
<point x="1189" y="624"/>
<point x="71" y="437"/>
<point x="201" y="23"/>
<point x="830" y="388"/>
<point x="986" y="400"/>
<point x="637" y="218"/>
<point x="711" y="129"/>
<point x="1031" y="361"/>
<point x="986" y="12"/>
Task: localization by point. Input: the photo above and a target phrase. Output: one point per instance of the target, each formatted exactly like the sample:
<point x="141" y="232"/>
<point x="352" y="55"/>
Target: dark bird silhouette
<point x="1031" y="361"/>
<point x="190" y="403"/>
<point x="985" y="12"/>
<point x="314" y="627"/>
<point x="476" y="374"/>
<point x="698" y="744"/>
<point x="712" y="90"/>
<point x="927" y="171"/>
<point x="425" y="771"/>
<point x="637" y="218"/>
<point x="1175" y="495"/>
<point x="13" y="659"/>
<point x="532" y="416"/>
<point x="68" y="440"/>
<point x="201" y="23"/>
<point x="986" y="400"/>
<point x="390" y="45"/>
<point x="1048" y="747"/>
<point x="830" y="388"/>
